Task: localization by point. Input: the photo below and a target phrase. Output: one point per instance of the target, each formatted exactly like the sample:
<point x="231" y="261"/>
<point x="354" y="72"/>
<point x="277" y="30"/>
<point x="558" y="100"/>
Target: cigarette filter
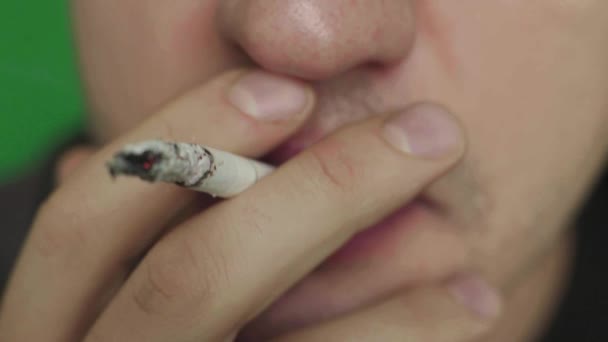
<point x="193" y="166"/>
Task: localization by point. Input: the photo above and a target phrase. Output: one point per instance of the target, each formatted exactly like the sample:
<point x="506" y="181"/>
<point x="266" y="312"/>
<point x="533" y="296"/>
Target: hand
<point x="104" y="261"/>
<point x="426" y="314"/>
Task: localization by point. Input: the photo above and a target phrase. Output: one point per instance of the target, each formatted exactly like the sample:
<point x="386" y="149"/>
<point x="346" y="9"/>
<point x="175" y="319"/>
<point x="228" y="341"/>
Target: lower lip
<point x="379" y="236"/>
<point x="305" y="305"/>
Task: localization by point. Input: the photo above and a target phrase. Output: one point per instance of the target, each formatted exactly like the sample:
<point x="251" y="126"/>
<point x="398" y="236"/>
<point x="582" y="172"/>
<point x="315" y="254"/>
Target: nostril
<point x="314" y="63"/>
<point x="303" y="56"/>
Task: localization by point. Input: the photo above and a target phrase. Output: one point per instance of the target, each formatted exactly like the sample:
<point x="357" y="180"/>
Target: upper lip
<point x="300" y="141"/>
<point x="282" y="153"/>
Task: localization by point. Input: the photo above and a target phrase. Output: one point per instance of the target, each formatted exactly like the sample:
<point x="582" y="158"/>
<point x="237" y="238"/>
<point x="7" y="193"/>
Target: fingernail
<point x="476" y="294"/>
<point x="268" y="97"/>
<point x="425" y="130"/>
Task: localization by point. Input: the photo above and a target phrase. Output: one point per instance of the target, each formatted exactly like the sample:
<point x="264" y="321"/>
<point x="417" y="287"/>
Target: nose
<point x="317" y="39"/>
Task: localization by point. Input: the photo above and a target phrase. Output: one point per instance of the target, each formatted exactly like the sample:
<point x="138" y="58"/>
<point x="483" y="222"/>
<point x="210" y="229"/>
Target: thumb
<point x="462" y="309"/>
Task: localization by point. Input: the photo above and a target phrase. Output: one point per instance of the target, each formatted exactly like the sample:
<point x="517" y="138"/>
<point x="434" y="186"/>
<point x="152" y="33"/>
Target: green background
<point x="40" y="100"/>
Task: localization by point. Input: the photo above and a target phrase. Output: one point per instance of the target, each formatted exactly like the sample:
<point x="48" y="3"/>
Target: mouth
<point x="369" y="238"/>
<point x="372" y="240"/>
<point x="366" y="269"/>
<point x="360" y="271"/>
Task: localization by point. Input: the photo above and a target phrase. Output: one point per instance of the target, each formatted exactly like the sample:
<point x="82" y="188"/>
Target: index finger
<point x="88" y="233"/>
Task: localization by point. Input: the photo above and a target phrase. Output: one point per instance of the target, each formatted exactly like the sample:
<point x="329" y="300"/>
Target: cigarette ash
<point x="155" y="160"/>
<point x="142" y="165"/>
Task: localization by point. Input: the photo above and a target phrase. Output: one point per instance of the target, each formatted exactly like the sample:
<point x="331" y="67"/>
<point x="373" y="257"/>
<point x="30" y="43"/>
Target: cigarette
<point x="197" y="167"/>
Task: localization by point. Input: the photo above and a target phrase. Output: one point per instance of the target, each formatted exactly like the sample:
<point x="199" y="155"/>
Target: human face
<point x="527" y="79"/>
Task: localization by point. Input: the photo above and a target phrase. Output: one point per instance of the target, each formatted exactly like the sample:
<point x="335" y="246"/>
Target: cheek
<point x="537" y="121"/>
<point x="136" y="55"/>
<point x="529" y="82"/>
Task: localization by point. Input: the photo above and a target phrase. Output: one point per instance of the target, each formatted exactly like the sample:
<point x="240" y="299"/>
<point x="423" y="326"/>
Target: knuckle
<point x="335" y="167"/>
<point x="256" y="220"/>
<point x="57" y="233"/>
<point x="167" y="284"/>
<point x="175" y="283"/>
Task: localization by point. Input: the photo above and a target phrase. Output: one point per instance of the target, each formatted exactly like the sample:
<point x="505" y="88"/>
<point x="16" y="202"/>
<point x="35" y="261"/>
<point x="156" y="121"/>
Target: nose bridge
<point x="315" y="39"/>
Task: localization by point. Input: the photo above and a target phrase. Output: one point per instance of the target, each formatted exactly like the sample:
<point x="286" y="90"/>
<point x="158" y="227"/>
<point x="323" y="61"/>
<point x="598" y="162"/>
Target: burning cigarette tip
<point x="194" y="166"/>
<point x="139" y="164"/>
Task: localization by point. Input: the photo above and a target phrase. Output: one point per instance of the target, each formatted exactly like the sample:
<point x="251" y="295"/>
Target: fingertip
<point x="477" y="295"/>
<point x="268" y="97"/>
<point x="425" y="130"/>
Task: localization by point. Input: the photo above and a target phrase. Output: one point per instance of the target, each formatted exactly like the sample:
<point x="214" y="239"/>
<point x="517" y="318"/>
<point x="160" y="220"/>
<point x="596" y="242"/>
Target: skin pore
<point x="527" y="81"/>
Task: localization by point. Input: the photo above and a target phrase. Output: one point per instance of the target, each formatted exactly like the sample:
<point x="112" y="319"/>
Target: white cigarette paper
<point x="197" y="167"/>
